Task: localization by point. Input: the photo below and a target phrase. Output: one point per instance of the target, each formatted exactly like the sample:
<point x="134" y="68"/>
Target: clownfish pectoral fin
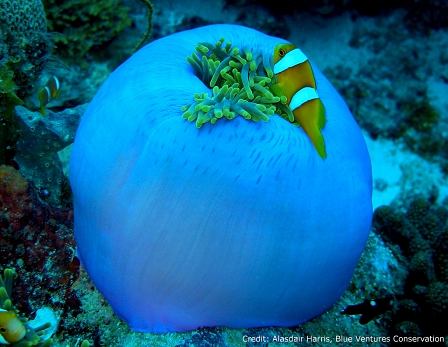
<point x="275" y="88"/>
<point x="311" y="116"/>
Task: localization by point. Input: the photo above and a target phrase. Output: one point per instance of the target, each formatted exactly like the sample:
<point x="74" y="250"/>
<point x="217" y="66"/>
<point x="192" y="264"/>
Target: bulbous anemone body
<point x="238" y="223"/>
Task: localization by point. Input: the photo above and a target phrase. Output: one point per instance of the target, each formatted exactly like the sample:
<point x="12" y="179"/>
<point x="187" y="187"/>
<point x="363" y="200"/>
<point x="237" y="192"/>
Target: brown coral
<point x="23" y="17"/>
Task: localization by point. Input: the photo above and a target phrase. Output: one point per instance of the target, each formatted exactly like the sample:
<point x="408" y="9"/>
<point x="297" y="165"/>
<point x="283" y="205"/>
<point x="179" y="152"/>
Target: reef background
<point x="389" y="62"/>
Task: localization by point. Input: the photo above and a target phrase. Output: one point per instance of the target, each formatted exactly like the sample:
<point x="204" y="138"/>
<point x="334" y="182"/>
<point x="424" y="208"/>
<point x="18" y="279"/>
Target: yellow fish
<point x="295" y="80"/>
<point x="48" y="92"/>
<point x="11" y="328"/>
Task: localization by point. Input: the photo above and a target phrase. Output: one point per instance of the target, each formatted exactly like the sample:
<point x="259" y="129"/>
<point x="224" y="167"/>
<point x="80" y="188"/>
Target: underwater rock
<point x="37" y="149"/>
<point x="238" y="223"/>
<point x="31" y="229"/>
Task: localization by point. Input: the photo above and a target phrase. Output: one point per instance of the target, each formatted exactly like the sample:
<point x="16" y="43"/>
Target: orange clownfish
<point x="48" y="92"/>
<point x="295" y="80"/>
<point x="11" y="328"/>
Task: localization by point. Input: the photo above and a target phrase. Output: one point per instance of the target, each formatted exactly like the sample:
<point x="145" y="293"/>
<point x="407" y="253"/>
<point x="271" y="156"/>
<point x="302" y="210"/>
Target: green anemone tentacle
<point x="240" y="82"/>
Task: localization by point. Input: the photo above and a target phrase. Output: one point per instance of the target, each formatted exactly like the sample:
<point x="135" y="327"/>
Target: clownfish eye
<point x="281" y="52"/>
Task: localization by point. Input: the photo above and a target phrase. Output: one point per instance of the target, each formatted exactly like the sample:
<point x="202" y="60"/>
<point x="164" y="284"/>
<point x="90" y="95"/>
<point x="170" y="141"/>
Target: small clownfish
<point x="11" y="328"/>
<point x="295" y="81"/>
<point x="48" y="92"/>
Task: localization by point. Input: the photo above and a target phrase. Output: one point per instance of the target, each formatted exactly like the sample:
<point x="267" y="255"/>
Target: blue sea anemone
<point x="236" y="223"/>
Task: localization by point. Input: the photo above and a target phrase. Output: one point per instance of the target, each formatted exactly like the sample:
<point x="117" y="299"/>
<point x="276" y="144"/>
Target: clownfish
<point x="11" y="328"/>
<point x="295" y="81"/>
<point x="48" y="92"/>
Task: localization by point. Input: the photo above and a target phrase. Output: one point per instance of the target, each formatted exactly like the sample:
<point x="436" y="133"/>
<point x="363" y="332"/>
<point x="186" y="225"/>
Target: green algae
<point x="83" y="24"/>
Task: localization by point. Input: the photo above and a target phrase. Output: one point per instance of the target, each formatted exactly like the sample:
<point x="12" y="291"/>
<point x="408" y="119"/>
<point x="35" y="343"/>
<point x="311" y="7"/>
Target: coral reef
<point x="8" y="128"/>
<point x="420" y="129"/>
<point x="37" y="332"/>
<point x="24" y="47"/>
<point x="418" y="238"/>
<point x="441" y="257"/>
<point x="32" y="230"/>
<point x="413" y="114"/>
<point x="37" y="149"/>
<point x="425" y="14"/>
<point x="371" y="95"/>
<point x="8" y="96"/>
<point x="37" y="240"/>
<point x="83" y="25"/>
<point x="408" y="260"/>
<point x="380" y="272"/>
<point x="24" y="42"/>
<point x="420" y="13"/>
<point x="421" y="115"/>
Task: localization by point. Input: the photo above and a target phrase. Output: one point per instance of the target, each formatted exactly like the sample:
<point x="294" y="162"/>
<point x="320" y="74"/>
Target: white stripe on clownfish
<point x="48" y="93"/>
<point x="303" y="95"/>
<point x="292" y="58"/>
<point x="56" y="81"/>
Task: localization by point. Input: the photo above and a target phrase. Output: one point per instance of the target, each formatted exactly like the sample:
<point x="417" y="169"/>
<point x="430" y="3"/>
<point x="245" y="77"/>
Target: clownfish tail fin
<point x="42" y="110"/>
<point x="321" y="120"/>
